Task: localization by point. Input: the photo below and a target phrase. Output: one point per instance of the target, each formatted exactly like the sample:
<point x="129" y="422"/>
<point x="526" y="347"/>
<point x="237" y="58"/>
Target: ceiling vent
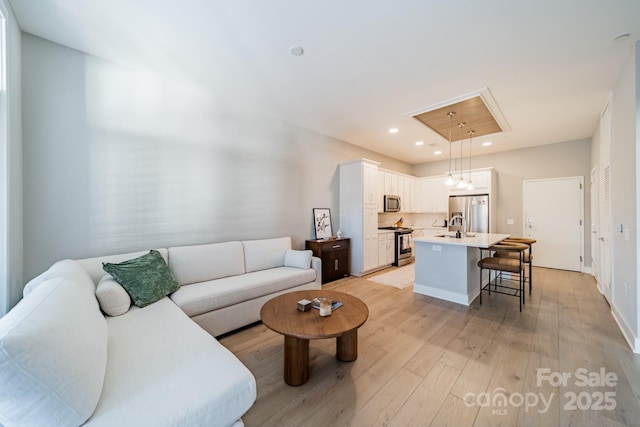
<point x="478" y="110"/>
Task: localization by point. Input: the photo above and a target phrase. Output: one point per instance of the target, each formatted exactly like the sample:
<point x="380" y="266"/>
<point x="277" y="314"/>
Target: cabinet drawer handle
<point x="336" y="265"/>
<point x="336" y="246"/>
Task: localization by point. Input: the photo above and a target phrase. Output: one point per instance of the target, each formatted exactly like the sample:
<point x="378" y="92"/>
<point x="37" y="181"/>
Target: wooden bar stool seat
<point x="502" y="263"/>
<point x="505" y="264"/>
<point x="514" y="254"/>
<point x="528" y="256"/>
<point x="526" y="240"/>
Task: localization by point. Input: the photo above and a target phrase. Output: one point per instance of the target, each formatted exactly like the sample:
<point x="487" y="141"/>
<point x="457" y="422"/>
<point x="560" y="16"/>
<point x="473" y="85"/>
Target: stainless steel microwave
<point x="391" y="203"/>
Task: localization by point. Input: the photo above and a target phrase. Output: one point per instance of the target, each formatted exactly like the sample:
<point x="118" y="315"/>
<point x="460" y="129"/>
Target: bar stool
<point x="504" y="264"/>
<point x="528" y="256"/>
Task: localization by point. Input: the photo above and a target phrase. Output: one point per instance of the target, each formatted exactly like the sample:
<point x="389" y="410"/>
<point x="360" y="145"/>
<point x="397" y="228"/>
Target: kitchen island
<point x="447" y="267"/>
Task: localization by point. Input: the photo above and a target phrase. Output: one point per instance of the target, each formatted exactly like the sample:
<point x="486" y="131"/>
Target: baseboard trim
<point x="442" y="294"/>
<point x="627" y="332"/>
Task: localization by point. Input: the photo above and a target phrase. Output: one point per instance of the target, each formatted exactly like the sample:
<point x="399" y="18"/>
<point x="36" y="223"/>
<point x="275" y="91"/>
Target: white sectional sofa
<point x="64" y="362"/>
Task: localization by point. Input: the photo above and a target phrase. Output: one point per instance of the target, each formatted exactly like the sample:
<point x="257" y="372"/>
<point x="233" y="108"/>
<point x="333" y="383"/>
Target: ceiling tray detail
<point x="478" y="110"/>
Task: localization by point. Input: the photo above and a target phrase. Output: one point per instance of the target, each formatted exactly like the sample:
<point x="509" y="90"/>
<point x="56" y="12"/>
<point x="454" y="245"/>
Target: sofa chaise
<point x="64" y="362"/>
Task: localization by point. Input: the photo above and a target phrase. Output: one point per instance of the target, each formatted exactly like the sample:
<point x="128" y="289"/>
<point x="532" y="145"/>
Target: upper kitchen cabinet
<point x="369" y="183"/>
<point x="409" y="195"/>
<point x="398" y="185"/>
<point x="433" y="195"/>
<point x="391" y="183"/>
<point x="483" y="180"/>
<point x="381" y="192"/>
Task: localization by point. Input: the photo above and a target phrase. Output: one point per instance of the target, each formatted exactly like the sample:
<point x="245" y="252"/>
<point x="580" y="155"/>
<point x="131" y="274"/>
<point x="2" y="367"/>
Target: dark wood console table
<point x="334" y="255"/>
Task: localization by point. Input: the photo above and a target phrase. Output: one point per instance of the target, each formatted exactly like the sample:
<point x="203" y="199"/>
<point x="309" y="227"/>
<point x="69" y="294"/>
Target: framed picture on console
<point x="322" y="223"/>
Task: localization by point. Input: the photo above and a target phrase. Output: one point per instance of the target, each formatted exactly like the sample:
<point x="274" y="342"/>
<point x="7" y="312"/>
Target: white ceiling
<point x="548" y="64"/>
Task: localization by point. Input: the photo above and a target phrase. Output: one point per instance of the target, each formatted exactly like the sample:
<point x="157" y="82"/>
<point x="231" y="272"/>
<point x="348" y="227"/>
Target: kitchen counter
<point x="447" y="267"/>
<point x="479" y="240"/>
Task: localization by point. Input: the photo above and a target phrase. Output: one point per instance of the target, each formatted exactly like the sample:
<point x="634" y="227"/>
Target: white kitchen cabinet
<point x="369" y="183"/>
<point x="391" y="248"/>
<point x="359" y="213"/>
<point x="433" y="195"/>
<point x="386" y="248"/>
<point x="483" y="181"/>
<point x="381" y="191"/>
<point x="391" y="185"/>
<point x="409" y="202"/>
<point x="370" y="229"/>
<point x="382" y="249"/>
<point x="399" y="185"/>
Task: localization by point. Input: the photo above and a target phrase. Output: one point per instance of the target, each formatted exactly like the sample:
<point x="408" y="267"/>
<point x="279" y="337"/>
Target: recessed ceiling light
<point x="296" y="50"/>
<point x="486" y="144"/>
<point x="419" y="142"/>
<point x="437" y="153"/>
<point x="394" y="130"/>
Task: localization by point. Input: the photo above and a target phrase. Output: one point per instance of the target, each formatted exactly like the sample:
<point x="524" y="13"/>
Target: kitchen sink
<point x="469" y="234"/>
<point x="445" y="235"/>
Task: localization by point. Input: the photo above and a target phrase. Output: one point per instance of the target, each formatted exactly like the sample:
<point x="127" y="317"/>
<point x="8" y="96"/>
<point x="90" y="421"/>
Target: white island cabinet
<point x="447" y="267"/>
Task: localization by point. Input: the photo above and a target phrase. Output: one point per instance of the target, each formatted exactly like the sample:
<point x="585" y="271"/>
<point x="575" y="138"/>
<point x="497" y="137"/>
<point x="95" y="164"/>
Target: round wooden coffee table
<point x="281" y="315"/>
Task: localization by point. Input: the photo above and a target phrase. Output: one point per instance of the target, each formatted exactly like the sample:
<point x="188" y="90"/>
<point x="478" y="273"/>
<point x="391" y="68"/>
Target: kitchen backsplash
<point x="411" y="219"/>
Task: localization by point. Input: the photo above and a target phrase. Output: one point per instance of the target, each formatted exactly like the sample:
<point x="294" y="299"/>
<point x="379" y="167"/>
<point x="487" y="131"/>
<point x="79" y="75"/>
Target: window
<point x="4" y="192"/>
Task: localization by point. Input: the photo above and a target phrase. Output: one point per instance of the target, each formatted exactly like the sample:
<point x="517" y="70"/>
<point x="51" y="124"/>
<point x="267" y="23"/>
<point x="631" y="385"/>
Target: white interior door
<point x="605" y="237"/>
<point x="605" y="203"/>
<point x="553" y="216"/>
<point x="594" y="185"/>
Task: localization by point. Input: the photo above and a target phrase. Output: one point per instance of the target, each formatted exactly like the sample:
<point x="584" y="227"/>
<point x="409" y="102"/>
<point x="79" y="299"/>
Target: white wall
<point x="634" y="284"/>
<point x="624" y="199"/>
<point x="513" y="167"/>
<point x="11" y="268"/>
<point x="120" y="160"/>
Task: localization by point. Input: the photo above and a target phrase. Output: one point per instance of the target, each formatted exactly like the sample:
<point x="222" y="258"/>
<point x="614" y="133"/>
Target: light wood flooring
<point x="425" y="362"/>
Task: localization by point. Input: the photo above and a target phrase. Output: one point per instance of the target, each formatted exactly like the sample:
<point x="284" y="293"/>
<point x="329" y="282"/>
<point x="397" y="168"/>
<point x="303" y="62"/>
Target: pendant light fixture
<point x="461" y="184"/>
<point x="469" y="182"/>
<point x="450" y="181"/>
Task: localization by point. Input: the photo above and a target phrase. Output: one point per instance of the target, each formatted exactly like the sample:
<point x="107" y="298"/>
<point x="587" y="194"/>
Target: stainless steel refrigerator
<point x="474" y="210"/>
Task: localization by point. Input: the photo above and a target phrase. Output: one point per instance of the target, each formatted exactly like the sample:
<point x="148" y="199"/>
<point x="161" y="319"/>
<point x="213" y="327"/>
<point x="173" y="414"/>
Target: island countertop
<point x="480" y="240"/>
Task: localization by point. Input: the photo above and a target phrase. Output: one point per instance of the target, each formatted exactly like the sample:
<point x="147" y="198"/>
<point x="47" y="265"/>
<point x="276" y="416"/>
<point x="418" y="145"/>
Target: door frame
<point x="564" y="178"/>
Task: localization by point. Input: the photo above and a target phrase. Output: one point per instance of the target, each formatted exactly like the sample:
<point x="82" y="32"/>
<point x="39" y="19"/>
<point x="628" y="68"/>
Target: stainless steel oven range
<point x="403" y="244"/>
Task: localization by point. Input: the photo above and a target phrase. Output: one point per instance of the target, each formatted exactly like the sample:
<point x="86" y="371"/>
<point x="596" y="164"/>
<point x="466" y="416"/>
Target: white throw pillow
<point x="298" y="259"/>
<point x="113" y="298"/>
<point x="264" y="254"/>
<point x="53" y="356"/>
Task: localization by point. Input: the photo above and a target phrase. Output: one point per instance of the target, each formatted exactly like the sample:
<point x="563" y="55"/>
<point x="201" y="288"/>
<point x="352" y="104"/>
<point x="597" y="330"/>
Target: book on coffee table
<point x="334" y="304"/>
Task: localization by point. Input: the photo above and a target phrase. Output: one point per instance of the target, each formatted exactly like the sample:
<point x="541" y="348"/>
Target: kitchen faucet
<point x="463" y="220"/>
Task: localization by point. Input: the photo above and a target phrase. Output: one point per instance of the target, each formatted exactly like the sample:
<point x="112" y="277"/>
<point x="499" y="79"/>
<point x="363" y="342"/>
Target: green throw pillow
<point x="146" y="279"/>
